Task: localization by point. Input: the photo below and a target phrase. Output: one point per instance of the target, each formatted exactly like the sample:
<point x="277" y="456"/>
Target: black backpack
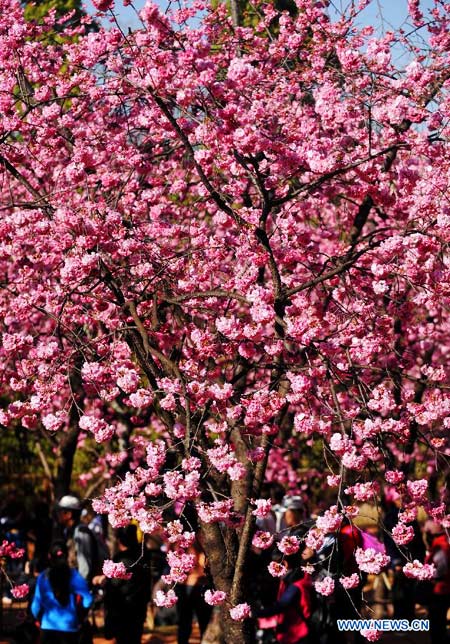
<point x="321" y="624"/>
<point x="99" y="550"/>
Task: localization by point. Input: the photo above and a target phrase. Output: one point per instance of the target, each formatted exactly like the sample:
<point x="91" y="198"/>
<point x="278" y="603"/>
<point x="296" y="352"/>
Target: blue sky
<point x="382" y="14"/>
<point x="385" y="14"/>
<point x="126" y="15"/>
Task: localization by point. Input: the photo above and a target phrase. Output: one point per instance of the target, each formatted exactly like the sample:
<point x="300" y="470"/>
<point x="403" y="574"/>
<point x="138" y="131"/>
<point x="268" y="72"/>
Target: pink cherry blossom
<point x="402" y="534"/>
<point x="350" y="582"/>
<point x="418" y="570"/>
<point x="289" y="545"/>
<point x="315" y="539"/>
<point x="215" y="597"/>
<point x="263" y="507"/>
<point x="166" y="600"/>
<point x="330" y="521"/>
<point x="115" y="570"/>
<point x="408" y="514"/>
<point x="262" y="540"/>
<point x="417" y="489"/>
<point x="370" y="635"/>
<point x="215" y="511"/>
<point x="371" y="561"/>
<point x="364" y="491"/>
<point x="53" y="422"/>
<point x="351" y="511"/>
<point x="240" y="612"/>
<point x="394" y="476"/>
<point x="141" y="398"/>
<point x="277" y="569"/>
<point x="102" y="5"/>
<point x="325" y="586"/>
<point x="21" y="591"/>
<point x="9" y="549"/>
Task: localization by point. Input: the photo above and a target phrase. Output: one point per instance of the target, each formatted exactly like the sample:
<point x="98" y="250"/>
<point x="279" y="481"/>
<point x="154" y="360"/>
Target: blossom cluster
<point x="9" y="549"/>
<point x="240" y="612"/>
<point x="419" y="570"/>
<point x="114" y="570"/>
<point x="371" y="561"/>
<point x="215" y="597"/>
<point x="20" y="591"/>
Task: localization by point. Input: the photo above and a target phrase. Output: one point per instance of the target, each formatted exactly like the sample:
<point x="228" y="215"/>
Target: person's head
<point x="87" y="514"/>
<point x="432" y="529"/>
<point x="294" y="570"/>
<point x="153" y="542"/>
<point x="57" y="553"/>
<point x="277" y="493"/>
<point x="294" y="561"/>
<point x="127" y="537"/>
<point x="294" y="511"/>
<point x="68" y="510"/>
<point x="307" y="554"/>
<point x="41" y="509"/>
<point x="59" y="572"/>
<point x="30" y="544"/>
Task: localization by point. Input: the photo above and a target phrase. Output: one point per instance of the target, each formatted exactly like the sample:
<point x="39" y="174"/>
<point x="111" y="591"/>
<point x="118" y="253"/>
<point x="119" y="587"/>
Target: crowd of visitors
<point x="67" y="544"/>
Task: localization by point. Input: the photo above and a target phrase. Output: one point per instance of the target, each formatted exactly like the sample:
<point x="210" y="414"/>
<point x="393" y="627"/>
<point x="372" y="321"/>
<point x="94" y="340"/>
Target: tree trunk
<point x="236" y="632"/>
<point x="69" y="440"/>
<point x="228" y="549"/>
<point x="68" y="448"/>
<point x="221" y="548"/>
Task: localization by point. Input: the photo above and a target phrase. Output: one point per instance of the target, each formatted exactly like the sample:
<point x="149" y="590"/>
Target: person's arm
<point x="99" y="580"/>
<point x="305" y="601"/>
<point x="440" y="561"/>
<point x="80" y="587"/>
<point x="290" y="595"/>
<point x="85" y="557"/>
<point x="36" y="604"/>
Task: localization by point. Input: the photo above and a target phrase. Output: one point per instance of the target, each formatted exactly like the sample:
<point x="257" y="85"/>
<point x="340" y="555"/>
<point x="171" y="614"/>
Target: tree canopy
<point x="236" y="241"/>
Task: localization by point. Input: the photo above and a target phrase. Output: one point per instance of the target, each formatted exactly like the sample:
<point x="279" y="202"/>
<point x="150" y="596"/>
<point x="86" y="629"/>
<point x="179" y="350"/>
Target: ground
<point x="168" y="634"/>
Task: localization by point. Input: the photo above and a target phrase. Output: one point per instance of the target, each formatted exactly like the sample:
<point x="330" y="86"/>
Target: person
<point x="277" y="494"/>
<point x="268" y="522"/>
<point x="403" y="588"/>
<point x="81" y="543"/>
<point x="293" y="522"/>
<point x="336" y="558"/>
<point x="126" y="599"/>
<point x="156" y="561"/>
<point x="12" y="529"/>
<point x="60" y="591"/>
<point x="293" y="605"/>
<point x="439" y="602"/>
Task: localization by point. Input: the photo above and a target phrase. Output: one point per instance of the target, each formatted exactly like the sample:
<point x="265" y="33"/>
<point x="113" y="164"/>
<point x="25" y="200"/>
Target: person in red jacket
<point x="293" y="605"/>
<point x="349" y="539"/>
<point x="439" y="555"/>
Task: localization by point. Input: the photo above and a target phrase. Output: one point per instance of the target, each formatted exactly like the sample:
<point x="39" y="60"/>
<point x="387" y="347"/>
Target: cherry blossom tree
<point x="239" y="234"/>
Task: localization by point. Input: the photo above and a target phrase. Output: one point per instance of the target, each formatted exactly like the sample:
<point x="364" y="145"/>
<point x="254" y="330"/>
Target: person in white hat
<point x="81" y="543"/>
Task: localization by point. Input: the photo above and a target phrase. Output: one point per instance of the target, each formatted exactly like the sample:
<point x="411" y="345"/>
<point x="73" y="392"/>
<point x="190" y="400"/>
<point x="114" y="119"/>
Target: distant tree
<point x="248" y="14"/>
<point x="68" y="14"/>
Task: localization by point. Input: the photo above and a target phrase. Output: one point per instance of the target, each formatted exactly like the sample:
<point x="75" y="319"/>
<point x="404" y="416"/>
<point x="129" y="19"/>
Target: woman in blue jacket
<point x="60" y="591"/>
